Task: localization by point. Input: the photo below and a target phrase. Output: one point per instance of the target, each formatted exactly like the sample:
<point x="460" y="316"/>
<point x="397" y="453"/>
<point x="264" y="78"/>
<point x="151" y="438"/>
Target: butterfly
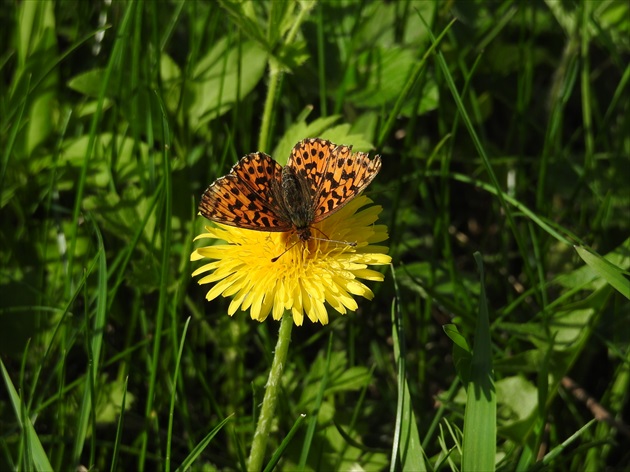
<point x="318" y="180"/>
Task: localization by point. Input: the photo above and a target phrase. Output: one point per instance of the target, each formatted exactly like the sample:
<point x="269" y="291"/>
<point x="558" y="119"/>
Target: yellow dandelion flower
<point x="313" y="273"/>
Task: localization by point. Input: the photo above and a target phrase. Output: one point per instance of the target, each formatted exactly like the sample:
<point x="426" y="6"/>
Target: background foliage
<point x="509" y="138"/>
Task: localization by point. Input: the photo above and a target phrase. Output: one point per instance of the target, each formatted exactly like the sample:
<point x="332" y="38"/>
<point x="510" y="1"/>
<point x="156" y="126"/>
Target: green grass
<point x="503" y="129"/>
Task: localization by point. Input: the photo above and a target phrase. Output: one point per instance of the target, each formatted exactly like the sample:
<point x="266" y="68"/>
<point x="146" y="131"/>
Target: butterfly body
<point x="297" y="198"/>
<point x="260" y="194"/>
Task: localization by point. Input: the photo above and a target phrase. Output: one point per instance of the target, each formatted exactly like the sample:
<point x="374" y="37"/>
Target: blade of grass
<point x="558" y="450"/>
<point x="321" y="62"/>
<point x="169" y="435"/>
<point x="358" y="409"/>
<point x="406" y="443"/>
<point x="96" y="119"/>
<point x="119" y="429"/>
<point x="164" y="277"/>
<point x="94" y="339"/>
<point x="585" y="83"/>
<point x="275" y="75"/>
<point x="543" y="223"/>
<point x="283" y="445"/>
<point x="606" y="270"/>
<point x="37" y="454"/>
<point x="482" y="153"/>
<point x="133" y="243"/>
<point x="59" y="327"/>
<point x="199" y="448"/>
<point x="312" y="422"/>
<point x="480" y="417"/>
<point x="615" y="399"/>
<point x="411" y="80"/>
<point x="24" y="439"/>
<point x="10" y="143"/>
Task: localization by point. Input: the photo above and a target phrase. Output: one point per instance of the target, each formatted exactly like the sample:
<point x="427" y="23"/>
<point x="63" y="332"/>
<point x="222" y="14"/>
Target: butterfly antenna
<point x="346" y="243"/>
<point x="285" y="251"/>
<point x="327" y="239"/>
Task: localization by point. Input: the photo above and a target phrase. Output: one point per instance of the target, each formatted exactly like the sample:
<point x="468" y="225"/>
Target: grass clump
<point x="499" y="338"/>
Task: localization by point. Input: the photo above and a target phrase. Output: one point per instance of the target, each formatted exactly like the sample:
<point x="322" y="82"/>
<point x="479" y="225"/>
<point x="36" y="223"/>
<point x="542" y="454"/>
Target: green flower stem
<point x="275" y="73"/>
<point x="265" y="127"/>
<point x="257" y="453"/>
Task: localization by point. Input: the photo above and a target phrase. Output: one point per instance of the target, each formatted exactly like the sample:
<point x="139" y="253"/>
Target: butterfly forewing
<point x="310" y="158"/>
<point x="319" y="179"/>
<point x="347" y="176"/>
<point x="246" y="197"/>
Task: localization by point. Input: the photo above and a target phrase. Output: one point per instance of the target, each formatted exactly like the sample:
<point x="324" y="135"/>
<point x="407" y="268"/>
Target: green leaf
<point x="459" y="340"/>
<point x="171" y="81"/>
<point x="246" y="17"/>
<point x="340" y="378"/>
<point x="89" y="83"/>
<point x="319" y="128"/>
<point x="462" y="354"/>
<point x="301" y="130"/>
<point x="109" y="400"/>
<point x="226" y="74"/>
<point x="517" y="400"/>
<point x="126" y="167"/>
<point x="36" y="48"/>
<point x="281" y="15"/>
<point x="293" y="55"/>
<point x="606" y="270"/>
<point x="386" y="71"/>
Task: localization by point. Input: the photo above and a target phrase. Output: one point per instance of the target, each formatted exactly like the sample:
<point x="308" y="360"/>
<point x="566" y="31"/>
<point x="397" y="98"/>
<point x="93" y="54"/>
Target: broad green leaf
<point x="340" y="378"/>
<point x="319" y="128"/>
<point x="36" y="50"/>
<point x="374" y="29"/>
<point x="386" y="71"/>
<point x="341" y="134"/>
<point x="517" y="401"/>
<point x="226" y="74"/>
<point x="567" y="327"/>
<point x="301" y="130"/>
<point x="429" y="99"/>
<point x="89" y="83"/>
<point x="126" y="167"/>
<point x="171" y="81"/>
<point x="109" y="400"/>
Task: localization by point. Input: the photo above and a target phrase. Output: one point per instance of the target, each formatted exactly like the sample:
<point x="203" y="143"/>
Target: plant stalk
<point x="259" y="444"/>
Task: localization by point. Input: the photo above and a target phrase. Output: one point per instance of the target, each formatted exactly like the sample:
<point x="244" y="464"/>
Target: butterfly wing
<point x="346" y="176"/>
<point x="247" y="196"/>
<point x="309" y="159"/>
